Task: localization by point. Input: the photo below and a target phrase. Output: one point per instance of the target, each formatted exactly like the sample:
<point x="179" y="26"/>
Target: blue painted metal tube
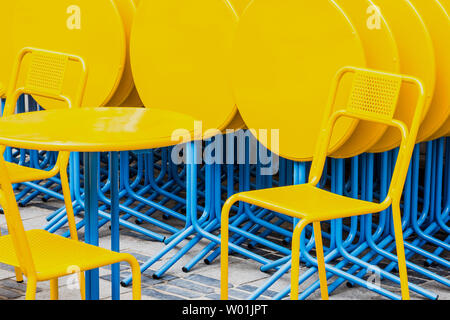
<point x="115" y="231"/>
<point x="91" y="219"/>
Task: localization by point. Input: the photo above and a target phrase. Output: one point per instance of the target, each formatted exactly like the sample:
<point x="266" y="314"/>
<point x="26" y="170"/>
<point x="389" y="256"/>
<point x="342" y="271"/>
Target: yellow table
<point x="180" y="58"/>
<point x="282" y="70"/>
<point x="90" y="29"/>
<point x="94" y="130"/>
<point x="381" y="54"/>
<point x="417" y="59"/>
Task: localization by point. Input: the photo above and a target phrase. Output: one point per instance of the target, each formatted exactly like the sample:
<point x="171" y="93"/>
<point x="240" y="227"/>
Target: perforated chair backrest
<point x="44" y="75"/>
<point x="373" y="97"/>
<point x="46" y="72"/>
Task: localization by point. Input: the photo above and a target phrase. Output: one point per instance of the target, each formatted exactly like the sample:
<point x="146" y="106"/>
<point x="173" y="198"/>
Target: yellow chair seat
<point x="56" y="256"/>
<point x="307" y="201"/>
<point x="19" y="173"/>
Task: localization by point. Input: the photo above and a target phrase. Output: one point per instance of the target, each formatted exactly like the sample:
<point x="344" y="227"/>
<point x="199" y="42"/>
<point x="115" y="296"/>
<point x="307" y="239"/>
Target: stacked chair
<point x="335" y="90"/>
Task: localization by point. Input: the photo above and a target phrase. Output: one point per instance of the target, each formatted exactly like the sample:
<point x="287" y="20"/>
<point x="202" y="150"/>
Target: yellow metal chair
<point x="373" y="97"/>
<point x="39" y="254"/>
<point x="43" y="256"/>
<point x="42" y="73"/>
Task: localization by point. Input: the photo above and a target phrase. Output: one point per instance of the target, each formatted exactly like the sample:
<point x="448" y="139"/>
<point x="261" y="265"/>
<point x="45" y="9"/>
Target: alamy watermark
<point x="230" y="147"/>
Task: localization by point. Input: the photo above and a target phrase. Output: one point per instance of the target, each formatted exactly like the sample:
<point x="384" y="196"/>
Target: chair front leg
<point x="31" y="289"/>
<point x="135" y="275"/>
<point x="396" y="216"/>
<point x="295" y="256"/>
<point x="54" y="295"/>
<point x="224" y="238"/>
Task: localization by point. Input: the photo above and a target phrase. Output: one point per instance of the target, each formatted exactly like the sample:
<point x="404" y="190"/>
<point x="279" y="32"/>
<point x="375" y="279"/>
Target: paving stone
<point x="188" y="294"/>
<point x="241" y="295"/>
<point x="216" y="296"/>
<point x="166" y="277"/>
<point x="251" y="289"/>
<point x="9" y="294"/>
<point x="13" y="284"/>
<point x="6" y="267"/>
<point x="159" y="295"/>
<point x="206" y="280"/>
<point x="149" y="281"/>
<point x="108" y="277"/>
<point x="191" y="286"/>
<point x="139" y="257"/>
<point x="123" y="266"/>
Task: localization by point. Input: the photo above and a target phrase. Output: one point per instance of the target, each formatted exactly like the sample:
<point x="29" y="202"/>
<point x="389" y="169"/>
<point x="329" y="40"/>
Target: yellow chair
<point x="42" y="73"/>
<point x="373" y="97"/>
<point x="43" y="256"/>
<point x="39" y="254"/>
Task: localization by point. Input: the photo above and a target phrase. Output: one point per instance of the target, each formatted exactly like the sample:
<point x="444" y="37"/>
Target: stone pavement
<point x="202" y="283"/>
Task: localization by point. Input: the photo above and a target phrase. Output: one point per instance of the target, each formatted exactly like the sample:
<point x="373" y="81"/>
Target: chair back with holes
<point x="373" y="97"/>
<point x="43" y="73"/>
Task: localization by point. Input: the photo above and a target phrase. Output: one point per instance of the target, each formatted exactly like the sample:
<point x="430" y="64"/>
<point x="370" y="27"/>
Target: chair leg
<point x="396" y="215"/>
<point x="82" y="281"/>
<point x="136" y="276"/>
<point x="321" y="261"/>
<point x="224" y="235"/>
<point x="295" y="256"/>
<point x="54" y="295"/>
<point x="71" y="220"/>
<point x="68" y="203"/>
<point x="31" y="289"/>
<point x="19" y="274"/>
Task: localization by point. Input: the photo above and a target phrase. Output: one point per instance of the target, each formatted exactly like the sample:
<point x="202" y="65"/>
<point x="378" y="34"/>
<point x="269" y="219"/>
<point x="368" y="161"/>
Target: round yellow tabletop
<point x="95" y="129"/>
<point x="416" y="59"/>
<point x="381" y="54"/>
<point x="180" y="58"/>
<point x="444" y="130"/>
<point x="90" y="29"/>
<point x="286" y="55"/>
<point x="127" y="10"/>
<point x="437" y="21"/>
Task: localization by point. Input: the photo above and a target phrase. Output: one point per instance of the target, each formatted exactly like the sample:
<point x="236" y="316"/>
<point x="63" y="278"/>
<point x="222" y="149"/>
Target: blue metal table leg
<point x="91" y="219"/>
<point x="115" y="232"/>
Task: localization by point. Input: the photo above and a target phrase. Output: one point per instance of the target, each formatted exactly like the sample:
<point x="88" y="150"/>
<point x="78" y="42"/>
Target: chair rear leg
<point x="19" y="274"/>
<point x="321" y="261"/>
<point x="295" y="257"/>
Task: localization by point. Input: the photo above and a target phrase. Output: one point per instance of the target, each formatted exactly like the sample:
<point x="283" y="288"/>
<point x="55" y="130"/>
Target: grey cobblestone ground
<point x="201" y="283"/>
